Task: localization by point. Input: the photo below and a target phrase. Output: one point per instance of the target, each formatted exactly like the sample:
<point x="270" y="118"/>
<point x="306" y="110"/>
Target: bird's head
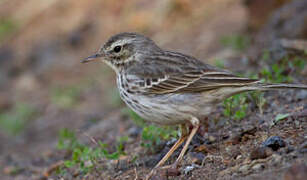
<point x="123" y="48"/>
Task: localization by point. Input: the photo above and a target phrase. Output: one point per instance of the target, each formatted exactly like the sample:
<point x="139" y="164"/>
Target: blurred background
<point x="44" y="87"/>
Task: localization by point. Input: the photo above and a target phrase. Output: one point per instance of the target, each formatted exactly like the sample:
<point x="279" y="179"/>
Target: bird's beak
<point x="91" y="58"/>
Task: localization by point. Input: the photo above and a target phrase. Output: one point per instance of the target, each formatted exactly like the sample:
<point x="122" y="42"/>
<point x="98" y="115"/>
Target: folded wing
<point x="181" y="73"/>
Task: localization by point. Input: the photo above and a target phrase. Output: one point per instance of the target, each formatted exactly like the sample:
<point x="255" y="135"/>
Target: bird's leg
<point x="183" y="136"/>
<point x="195" y="122"/>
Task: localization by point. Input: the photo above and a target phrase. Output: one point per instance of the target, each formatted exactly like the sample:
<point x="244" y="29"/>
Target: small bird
<point x="170" y="88"/>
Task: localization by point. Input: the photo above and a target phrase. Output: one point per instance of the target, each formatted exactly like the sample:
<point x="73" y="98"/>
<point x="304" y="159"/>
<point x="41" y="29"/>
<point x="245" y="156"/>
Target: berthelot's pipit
<point x="170" y="88"/>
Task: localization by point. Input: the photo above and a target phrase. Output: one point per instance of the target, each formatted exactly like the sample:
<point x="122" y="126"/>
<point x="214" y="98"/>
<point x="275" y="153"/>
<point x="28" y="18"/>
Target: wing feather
<point x="177" y="77"/>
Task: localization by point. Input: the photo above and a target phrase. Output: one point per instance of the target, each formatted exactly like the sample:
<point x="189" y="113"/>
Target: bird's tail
<point x="276" y="86"/>
<point x="226" y="92"/>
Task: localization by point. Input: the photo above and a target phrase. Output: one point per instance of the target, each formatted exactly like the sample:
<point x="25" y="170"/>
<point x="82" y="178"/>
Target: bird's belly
<point x="166" y="109"/>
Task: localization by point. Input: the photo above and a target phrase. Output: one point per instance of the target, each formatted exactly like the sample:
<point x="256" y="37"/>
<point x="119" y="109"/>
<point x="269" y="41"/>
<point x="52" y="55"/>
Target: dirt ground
<point x="44" y="88"/>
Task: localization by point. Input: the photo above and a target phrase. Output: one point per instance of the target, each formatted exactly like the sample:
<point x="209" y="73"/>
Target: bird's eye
<point x="117" y="49"/>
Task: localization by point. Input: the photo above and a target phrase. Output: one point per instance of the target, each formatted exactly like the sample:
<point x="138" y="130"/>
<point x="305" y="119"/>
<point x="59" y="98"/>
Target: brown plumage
<point x="171" y="88"/>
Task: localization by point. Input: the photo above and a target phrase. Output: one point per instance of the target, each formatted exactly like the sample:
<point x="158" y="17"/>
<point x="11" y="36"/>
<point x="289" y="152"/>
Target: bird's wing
<point x="177" y="75"/>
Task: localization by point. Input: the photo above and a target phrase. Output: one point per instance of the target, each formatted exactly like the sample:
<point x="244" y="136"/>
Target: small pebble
<point x="276" y="159"/>
<point x="195" y="158"/>
<point x="172" y="172"/>
<point x="212" y="139"/>
<point x="301" y="95"/>
<point x="239" y="157"/>
<point x="258" y="167"/>
<point x="171" y="142"/>
<point x="274" y="142"/>
<point x="203" y="148"/>
<point x="260" y="153"/>
<point x="235" y="153"/>
<point x="188" y="169"/>
<point x="134" y="131"/>
<point x="244" y="169"/>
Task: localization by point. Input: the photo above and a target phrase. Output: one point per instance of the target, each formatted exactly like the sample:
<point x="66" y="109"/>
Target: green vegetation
<point x="265" y="55"/>
<point x="7" y="27"/>
<point x="236" y="42"/>
<point x="67" y="140"/>
<point x="66" y="97"/>
<point x="236" y="106"/>
<point x="219" y="63"/>
<point x="275" y="74"/>
<point x="14" y="121"/>
<point x="258" y="97"/>
<point x="278" y="71"/>
<point x="298" y="63"/>
<point x="280" y="117"/>
<point x="153" y="135"/>
<point x="85" y="157"/>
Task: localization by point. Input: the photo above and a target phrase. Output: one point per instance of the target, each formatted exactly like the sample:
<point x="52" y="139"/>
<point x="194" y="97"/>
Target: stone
<point x="260" y="153"/>
<point x="189" y="169"/>
<point x="244" y="169"/>
<point x="195" y="158"/>
<point x="274" y="142"/>
<point x="258" y="167"/>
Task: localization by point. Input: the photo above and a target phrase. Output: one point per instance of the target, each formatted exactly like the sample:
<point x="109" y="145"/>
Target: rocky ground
<point x="60" y="119"/>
